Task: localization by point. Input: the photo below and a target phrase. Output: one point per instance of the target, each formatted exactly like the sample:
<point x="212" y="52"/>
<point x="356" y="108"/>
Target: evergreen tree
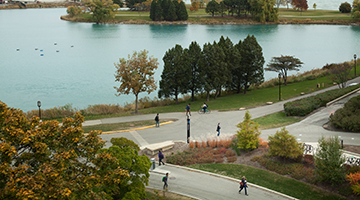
<point x="214" y="68"/>
<point x="285" y="145"/>
<point x="252" y="62"/>
<point x="165" y="8"/>
<point x="329" y="160"/>
<point x="212" y="7"/>
<point x="195" y="56"/>
<point x="182" y="13"/>
<point x="248" y="135"/>
<point x="173" y="81"/>
<point x="232" y="59"/>
<point x="158" y="11"/>
<point x="171" y="14"/>
<point x="152" y="10"/>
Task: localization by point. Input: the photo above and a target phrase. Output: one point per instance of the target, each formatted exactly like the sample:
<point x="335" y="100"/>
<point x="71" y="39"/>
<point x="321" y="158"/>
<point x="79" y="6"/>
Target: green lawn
<point x="276" y="120"/>
<point x="269" y="180"/>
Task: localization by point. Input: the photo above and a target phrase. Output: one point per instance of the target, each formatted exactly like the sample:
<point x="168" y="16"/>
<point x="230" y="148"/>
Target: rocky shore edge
<point x="216" y="22"/>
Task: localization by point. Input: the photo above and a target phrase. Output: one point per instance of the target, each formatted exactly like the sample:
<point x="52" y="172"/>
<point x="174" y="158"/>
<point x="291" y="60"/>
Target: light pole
<point x="355" y="64"/>
<point x="188" y="129"/>
<point x="279" y="87"/>
<point x="39" y="105"/>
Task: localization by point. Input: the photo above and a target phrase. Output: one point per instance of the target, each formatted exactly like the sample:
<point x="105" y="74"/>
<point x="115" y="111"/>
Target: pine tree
<point x="182" y="13"/>
<point x="171" y="15"/>
<point x="173" y="78"/>
<point x="252" y="62"/>
<point x="248" y="135"/>
<point x="195" y="82"/>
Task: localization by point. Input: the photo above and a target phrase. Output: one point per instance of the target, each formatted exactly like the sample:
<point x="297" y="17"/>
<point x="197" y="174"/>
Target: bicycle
<point x="207" y="111"/>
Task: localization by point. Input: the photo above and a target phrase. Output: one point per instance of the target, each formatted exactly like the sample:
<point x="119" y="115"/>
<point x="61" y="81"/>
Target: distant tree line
<point x="169" y="10"/>
<point x="218" y="66"/>
<point x="260" y="10"/>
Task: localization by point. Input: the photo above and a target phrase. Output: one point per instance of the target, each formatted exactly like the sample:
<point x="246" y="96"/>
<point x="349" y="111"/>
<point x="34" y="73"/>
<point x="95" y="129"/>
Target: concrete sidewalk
<point x="205" y="185"/>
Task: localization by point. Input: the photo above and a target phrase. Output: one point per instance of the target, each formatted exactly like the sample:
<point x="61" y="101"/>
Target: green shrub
<point x="345" y="7"/>
<point x="304" y="106"/>
<point x="284" y="145"/>
<point x="299" y="172"/>
<point x="348" y="117"/>
<point x="123" y="142"/>
<point x="329" y="161"/>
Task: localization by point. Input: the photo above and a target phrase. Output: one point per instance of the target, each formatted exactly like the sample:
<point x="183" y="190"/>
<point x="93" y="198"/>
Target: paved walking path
<point x="203" y="185"/>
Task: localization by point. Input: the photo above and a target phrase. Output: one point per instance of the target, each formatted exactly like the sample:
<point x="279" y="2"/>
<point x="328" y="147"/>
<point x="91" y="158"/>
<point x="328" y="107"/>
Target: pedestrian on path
<point x="243" y="185"/>
<point x="187" y="109"/>
<point x="165" y="179"/>
<point x="157" y="124"/>
<point x="218" y="129"/>
<point x="161" y="157"/>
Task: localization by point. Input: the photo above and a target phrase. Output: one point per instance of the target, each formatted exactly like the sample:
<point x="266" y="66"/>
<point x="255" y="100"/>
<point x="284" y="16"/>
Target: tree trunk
<point x="245" y="88"/>
<point x="176" y="97"/>
<point x="136" y="100"/>
<point x="192" y="95"/>
<point x="285" y="78"/>
<point x="238" y="88"/>
<point x="207" y="96"/>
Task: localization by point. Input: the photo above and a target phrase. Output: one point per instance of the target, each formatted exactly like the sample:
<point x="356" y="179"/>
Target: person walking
<point x="161" y="157"/>
<point x="165" y="179"/>
<point x="218" y="129"/>
<point x="187" y="109"/>
<point x="243" y="185"/>
<point x="157" y="124"/>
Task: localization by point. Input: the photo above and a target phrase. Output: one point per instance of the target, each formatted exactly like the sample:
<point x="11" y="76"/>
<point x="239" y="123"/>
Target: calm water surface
<point x="84" y="74"/>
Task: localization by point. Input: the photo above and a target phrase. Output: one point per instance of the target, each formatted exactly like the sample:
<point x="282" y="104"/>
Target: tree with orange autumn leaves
<point x="46" y="160"/>
<point x="136" y="75"/>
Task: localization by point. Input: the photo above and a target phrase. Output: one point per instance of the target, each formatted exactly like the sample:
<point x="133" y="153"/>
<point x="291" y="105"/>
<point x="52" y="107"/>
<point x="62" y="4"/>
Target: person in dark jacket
<point x="165" y="179"/>
<point x="161" y="157"/>
<point x="243" y="185"/>
<point x="157" y="119"/>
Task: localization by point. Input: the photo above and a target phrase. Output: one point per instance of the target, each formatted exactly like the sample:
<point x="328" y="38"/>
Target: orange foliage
<point x="191" y="144"/>
<point x="353" y="178"/>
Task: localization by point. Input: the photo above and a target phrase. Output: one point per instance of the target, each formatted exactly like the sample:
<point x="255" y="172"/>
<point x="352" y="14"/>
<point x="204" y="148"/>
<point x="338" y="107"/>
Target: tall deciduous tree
<point x="102" y="10"/>
<point x="222" y="8"/>
<point x="136" y="75"/>
<point x="300" y="4"/>
<point x="340" y="73"/>
<point x="212" y="7"/>
<point x="252" y="61"/>
<point x="283" y="64"/>
<point x="131" y="3"/>
<point x="133" y="186"/>
<point x="194" y="55"/>
<point x="329" y="161"/>
<point x="264" y="10"/>
<point x="248" y="133"/>
<point x="175" y="76"/>
<point x="46" y="160"/>
<point x="285" y="145"/>
<point x="355" y="13"/>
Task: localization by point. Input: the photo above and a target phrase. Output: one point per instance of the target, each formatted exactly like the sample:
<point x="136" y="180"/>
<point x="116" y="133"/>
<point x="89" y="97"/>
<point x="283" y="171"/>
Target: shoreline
<point x="192" y="20"/>
<point x="215" y="22"/>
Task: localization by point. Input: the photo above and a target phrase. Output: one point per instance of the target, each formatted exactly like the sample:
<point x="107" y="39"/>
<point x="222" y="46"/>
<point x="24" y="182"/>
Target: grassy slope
<point x="269" y="180"/>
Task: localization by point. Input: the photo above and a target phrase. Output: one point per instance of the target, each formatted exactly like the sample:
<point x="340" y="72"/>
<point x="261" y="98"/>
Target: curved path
<point x="203" y="185"/>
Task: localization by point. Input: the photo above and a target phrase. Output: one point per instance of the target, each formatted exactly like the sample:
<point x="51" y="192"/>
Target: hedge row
<point x="305" y="106"/>
<point x="348" y="118"/>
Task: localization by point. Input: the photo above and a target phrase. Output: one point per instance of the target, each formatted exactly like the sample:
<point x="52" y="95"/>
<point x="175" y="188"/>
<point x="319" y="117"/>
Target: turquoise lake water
<point x="74" y="62"/>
